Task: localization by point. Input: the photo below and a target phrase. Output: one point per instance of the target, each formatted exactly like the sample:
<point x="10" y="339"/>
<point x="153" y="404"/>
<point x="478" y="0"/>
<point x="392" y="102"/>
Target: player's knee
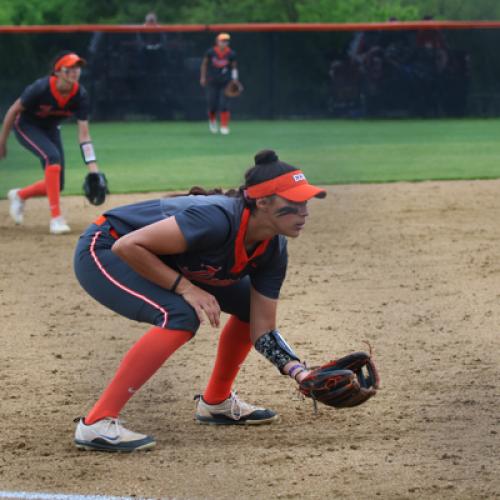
<point x="243" y="315"/>
<point x="183" y="318"/>
<point x="54" y="158"/>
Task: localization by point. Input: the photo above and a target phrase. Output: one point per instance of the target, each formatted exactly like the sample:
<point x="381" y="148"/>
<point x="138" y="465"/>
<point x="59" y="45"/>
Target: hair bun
<point x="266" y="156"/>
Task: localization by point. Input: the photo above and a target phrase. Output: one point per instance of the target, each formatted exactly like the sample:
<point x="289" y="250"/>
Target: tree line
<point x="28" y="12"/>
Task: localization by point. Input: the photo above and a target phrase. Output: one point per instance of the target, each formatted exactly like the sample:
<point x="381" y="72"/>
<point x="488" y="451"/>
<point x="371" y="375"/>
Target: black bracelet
<point x="176" y="282"/>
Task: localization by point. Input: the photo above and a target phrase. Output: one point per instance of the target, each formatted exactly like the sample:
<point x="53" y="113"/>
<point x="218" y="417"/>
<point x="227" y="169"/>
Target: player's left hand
<point x="202" y="302"/>
<point x="233" y="89"/>
<point x="95" y="187"/>
<point x="343" y="383"/>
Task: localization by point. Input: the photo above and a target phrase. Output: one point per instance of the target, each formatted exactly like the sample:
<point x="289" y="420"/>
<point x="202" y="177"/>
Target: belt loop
<point x="100" y="220"/>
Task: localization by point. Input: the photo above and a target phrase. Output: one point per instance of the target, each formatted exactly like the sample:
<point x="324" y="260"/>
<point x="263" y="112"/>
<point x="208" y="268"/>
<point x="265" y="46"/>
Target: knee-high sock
<point x="53" y="185"/>
<point x="224" y="118"/>
<point x="138" y="365"/>
<point x="36" y="189"/>
<point x="234" y="346"/>
<point x="212" y="116"/>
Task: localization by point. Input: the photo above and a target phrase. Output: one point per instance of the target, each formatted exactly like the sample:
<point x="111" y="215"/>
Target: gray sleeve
<point x="269" y="278"/>
<point x="205" y="227"/>
<point x="31" y="94"/>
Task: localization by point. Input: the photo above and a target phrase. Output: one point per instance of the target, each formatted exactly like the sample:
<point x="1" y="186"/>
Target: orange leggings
<point x="149" y="353"/>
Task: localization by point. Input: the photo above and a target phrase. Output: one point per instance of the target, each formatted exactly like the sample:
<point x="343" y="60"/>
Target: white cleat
<point x="58" y="225"/>
<point x="212" y="126"/>
<point x="233" y="411"/>
<point x="224" y="130"/>
<point x="109" y="434"/>
<point x="16" y="209"/>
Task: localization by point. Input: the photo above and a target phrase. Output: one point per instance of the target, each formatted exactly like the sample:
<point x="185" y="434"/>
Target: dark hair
<point x="267" y="166"/>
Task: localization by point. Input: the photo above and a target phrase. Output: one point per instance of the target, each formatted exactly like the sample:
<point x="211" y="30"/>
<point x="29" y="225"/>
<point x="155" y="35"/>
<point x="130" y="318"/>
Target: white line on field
<point x="33" y="495"/>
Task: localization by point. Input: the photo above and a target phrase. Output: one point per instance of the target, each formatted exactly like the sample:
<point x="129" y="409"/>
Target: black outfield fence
<point x="425" y="69"/>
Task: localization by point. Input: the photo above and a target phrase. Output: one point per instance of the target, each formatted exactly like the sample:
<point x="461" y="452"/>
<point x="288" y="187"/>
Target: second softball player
<point x="218" y="68"/>
<point x="36" y="118"/>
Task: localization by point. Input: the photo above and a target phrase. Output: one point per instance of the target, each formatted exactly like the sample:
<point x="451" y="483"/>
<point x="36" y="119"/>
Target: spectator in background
<point x="155" y="98"/>
<point x="433" y="40"/>
<point x="363" y="45"/>
<point x="367" y="53"/>
<point x="384" y="61"/>
<point x="152" y="41"/>
<point x="218" y="68"/>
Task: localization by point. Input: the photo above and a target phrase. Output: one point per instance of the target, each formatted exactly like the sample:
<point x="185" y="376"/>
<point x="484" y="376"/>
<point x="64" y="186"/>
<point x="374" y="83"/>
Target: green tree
<point x="20" y="12"/>
<point x="222" y="11"/>
<point x="459" y="9"/>
<point x="355" y="10"/>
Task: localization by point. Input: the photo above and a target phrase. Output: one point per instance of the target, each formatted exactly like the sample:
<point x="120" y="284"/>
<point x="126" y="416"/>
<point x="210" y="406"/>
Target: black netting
<point x="286" y="74"/>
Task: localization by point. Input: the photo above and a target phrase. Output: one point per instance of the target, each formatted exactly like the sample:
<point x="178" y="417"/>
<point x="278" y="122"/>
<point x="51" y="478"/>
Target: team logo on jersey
<point x="44" y="110"/>
<point x="47" y="110"/>
<point x="206" y="272"/>
<point x="219" y="63"/>
<point x="299" y="177"/>
<point x="206" y="275"/>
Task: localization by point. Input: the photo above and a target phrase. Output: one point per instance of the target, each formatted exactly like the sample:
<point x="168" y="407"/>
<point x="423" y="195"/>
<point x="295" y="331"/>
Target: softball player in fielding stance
<point x="36" y="118"/>
<point x="176" y="262"/>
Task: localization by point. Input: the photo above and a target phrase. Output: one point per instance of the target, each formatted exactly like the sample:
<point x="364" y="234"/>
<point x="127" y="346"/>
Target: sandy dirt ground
<point x="412" y="268"/>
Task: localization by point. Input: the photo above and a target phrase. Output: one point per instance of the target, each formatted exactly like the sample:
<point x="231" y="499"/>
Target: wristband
<point x="292" y="373"/>
<point x="176" y="282"/>
<point x="88" y="153"/>
<point x="234" y="74"/>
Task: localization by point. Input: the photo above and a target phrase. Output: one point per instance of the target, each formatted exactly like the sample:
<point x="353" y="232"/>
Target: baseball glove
<point x="344" y="382"/>
<point x="233" y="89"/>
<point x="95" y="188"/>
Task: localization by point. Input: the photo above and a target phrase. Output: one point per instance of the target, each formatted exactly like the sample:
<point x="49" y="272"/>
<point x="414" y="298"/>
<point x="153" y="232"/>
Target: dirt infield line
<point x="32" y="495"/>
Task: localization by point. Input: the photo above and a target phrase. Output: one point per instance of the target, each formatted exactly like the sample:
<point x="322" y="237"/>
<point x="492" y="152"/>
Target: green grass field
<point x="161" y="156"/>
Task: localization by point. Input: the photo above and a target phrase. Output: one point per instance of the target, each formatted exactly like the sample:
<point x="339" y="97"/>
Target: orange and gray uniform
<point x="37" y="127"/>
<point x="216" y="260"/>
<point x="220" y="62"/>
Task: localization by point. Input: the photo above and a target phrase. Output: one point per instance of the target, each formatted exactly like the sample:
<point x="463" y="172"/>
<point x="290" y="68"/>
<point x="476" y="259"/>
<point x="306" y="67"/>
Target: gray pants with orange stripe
<point x="115" y="285"/>
<point x="44" y="143"/>
<point x="216" y="99"/>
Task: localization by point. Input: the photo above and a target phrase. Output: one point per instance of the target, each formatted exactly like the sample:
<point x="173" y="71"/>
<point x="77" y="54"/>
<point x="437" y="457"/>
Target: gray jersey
<point x="214" y="228"/>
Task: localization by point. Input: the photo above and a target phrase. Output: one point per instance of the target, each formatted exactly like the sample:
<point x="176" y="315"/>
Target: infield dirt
<point x="412" y="268"/>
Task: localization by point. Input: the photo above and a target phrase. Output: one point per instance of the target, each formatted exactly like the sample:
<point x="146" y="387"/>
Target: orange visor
<point x="292" y="186"/>
<point x="68" y="61"/>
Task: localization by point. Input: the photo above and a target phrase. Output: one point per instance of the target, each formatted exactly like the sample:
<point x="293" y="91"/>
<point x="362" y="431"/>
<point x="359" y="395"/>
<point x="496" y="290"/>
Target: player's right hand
<point x="202" y="302"/>
<point x="3" y="150"/>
